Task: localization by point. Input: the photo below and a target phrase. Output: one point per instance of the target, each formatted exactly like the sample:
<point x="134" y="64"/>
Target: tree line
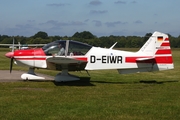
<point x="87" y="37"/>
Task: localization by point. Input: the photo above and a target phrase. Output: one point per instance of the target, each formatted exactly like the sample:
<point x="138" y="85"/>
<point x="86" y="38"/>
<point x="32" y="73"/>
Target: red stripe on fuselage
<point x="133" y="59"/>
<point x="30" y="58"/>
<point x="81" y="58"/>
<point x="157" y="60"/>
<point x="29" y="52"/>
<point x="164" y="59"/>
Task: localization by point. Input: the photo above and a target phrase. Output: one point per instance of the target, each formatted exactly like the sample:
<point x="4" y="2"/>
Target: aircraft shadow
<point x="84" y="81"/>
<point x="157" y="82"/>
<point x="137" y="82"/>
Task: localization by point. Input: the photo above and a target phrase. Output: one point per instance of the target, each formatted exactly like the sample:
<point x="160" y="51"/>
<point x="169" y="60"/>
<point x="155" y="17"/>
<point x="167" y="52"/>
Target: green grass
<point x="107" y="95"/>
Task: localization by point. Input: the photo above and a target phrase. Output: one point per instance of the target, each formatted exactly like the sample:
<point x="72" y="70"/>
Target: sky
<point x="100" y="17"/>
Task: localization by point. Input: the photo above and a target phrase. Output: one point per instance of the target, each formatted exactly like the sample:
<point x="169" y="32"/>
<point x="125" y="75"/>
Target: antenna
<point x="113" y="45"/>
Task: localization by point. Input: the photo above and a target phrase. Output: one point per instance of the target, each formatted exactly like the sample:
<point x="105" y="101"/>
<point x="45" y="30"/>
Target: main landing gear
<point x="64" y="76"/>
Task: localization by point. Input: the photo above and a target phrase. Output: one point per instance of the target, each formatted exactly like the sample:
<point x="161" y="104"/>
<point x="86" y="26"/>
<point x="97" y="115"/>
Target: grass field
<point x="106" y="95"/>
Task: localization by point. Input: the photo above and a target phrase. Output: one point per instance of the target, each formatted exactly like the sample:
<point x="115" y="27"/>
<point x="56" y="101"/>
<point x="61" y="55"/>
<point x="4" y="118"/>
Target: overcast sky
<point x="100" y="17"/>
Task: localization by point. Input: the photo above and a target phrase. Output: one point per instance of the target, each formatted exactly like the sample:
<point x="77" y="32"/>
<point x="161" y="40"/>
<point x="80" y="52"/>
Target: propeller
<point x="11" y="64"/>
<point x="12" y="57"/>
<point x="13" y="46"/>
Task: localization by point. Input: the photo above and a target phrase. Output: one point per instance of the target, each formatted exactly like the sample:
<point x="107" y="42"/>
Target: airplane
<point x="154" y="55"/>
<point x="21" y="46"/>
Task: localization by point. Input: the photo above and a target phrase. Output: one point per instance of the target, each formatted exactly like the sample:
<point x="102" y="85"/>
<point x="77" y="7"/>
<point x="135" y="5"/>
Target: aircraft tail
<point x="158" y="47"/>
<point x="155" y="55"/>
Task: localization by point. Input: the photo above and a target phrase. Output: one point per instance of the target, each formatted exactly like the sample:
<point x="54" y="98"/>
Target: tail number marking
<point x="106" y="59"/>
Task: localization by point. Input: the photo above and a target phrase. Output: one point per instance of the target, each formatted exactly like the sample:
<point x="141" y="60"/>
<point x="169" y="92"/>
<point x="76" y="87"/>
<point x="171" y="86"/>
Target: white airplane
<point x="155" y="55"/>
<point x="21" y="46"/>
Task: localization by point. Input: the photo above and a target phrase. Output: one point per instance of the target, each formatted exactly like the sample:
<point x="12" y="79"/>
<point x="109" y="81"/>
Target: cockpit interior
<point x="72" y="48"/>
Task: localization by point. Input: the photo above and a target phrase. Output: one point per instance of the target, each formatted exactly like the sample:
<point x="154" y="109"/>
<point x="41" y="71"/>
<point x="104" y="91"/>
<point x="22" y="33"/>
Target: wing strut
<point x="87" y="72"/>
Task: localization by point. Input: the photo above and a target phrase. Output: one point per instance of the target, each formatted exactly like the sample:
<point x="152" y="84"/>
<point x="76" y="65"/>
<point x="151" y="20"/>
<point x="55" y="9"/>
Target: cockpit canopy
<point x="71" y="47"/>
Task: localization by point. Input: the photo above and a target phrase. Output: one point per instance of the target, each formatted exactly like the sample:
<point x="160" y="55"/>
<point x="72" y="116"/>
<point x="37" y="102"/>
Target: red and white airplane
<point x="155" y="55"/>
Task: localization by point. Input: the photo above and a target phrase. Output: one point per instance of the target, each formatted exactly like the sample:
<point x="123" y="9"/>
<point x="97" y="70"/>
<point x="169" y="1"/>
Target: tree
<point x="41" y="34"/>
<point x="76" y="35"/>
<point x="7" y="40"/>
<point x="146" y="37"/>
<point x="84" y="34"/>
<point x="136" y="42"/>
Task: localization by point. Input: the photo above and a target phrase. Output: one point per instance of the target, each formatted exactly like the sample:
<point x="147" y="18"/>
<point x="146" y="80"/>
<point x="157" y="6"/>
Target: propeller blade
<point x="13" y="46"/>
<point x="12" y="56"/>
<point x="11" y="64"/>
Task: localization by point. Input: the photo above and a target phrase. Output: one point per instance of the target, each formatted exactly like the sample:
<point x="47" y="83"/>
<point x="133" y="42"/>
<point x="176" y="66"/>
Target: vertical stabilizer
<point x="155" y="55"/>
<point x="158" y="46"/>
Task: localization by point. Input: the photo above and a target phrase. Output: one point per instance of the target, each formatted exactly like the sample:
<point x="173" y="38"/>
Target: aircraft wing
<point x="9" y="45"/>
<point x="72" y="63"/>
<point x="17" y="45"/>
<point x="66" y="60"/>
<point x="35" y="45"/>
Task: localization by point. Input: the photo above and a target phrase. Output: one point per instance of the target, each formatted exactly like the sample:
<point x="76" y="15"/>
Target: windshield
<point x="53" y="47"/>
<point x="73" y="47"/>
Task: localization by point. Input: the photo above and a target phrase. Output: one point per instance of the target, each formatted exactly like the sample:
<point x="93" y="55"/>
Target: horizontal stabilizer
<point x="144" y="59"/>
